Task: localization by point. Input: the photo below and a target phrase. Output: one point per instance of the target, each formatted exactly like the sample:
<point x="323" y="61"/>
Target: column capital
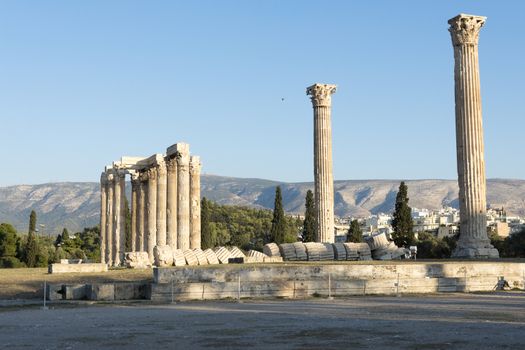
<point x="110" y="175"/>
<point x="152" y="173"/>
<point x="135" y="176"/>
<point x="103" y="178"/>
<point x="195" y="164"/>
<point x="171" y="164"/>
<point x="321" y="94"/>
<point x="464" y="29"/>
<point x="161" y="168"/>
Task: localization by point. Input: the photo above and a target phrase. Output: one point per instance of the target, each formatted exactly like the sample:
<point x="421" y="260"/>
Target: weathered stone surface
<point x="131" y="291"/>
<point x="178" y="257"/>
<point x="190" y="257"/>
<point x="300" y="251"/>
<point x="377" y="241"/>
<point x="256" y="256"/>
<point x="339" y="251"/>
<point x="236" y="252"/>
<point x="101" y="291"/>
<point x="137" y="260"/>
<point x="223" y="254"/>
<point x="211" y="257"/>
<point x="321" y="96"/>
<point x="352" y="251"/>
<point x="271" y="249"/>
<point x="359" y="250"/>
<point x="327" y="253"/>
<point x="72" y="268"/>
<point x="54" y="292"/>
<point x="273" y="259"/>
<point x="201" y="257"/>
<point x="163" y="255"/>
<point x="74" y="291"/>
<point x="287" y="251"/>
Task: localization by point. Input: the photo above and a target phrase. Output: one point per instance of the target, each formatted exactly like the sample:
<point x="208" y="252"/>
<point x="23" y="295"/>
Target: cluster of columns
<point x="321" y="96"/>
<point x="165" y="203"/>
<point x="473" y="240"/>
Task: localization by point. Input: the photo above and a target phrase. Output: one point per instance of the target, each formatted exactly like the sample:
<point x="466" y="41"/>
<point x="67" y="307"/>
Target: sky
<point x="83" y="83"/>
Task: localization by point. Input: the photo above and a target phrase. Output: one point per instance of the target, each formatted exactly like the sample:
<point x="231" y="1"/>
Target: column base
<point x="476" y="250"/>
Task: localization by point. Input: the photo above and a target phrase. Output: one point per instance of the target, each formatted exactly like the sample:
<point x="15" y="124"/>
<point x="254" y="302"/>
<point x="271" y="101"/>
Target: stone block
<point x="271" y="249"/>
<point x="273" y="259"/>
<point x="339" y="251"/>
<point x="211" y="257"/>
<point x="313" y="251"/>
<point x="223" y="254"/>
<point x="74" y="291"/>
<point x="72" y="268"/>
<point x="287" y="251"/>
<point x="101" y="291"/>
<point x="201" y="257"/>
<point x="236" y="252"/>
<point x="178" y="257"/>
<point x="137" y="260"/>
<point x="163" y="255"/>
<point x="190" y="257"/>
<point x="131" y="291"/>
<point x="256" y="256"/>
<point x="300" y="251"/>
<point x="54" y="292"/>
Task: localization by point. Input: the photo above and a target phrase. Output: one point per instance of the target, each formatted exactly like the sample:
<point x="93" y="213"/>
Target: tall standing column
<point x="183" y="195"/>
<point x="195" y="202"/>
<point x="103" y="209"/>
<point x="122" y="219"/>
<point x="161" y="203"/>
<point x="109" y="217"/>
<point x="151" y="236"/>
<point x="142" y="211"/>
<point x="171" y="205"/>
<point x="321" y="96"/>
<point x="473" y="241"/>
<point x="117" y="223"/>
<point x="135" y="184"/>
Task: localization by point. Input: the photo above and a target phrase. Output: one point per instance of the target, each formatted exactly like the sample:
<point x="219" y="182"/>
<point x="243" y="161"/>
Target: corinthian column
<point x="161" y="203"/>
<point x="142" y="217"/>
<point x="117" y="222"/>
<point x="121" y="244"/>
<point x="183" y="195"/>
<point x="321" y="96"/>
<point x="473" y="241"/>
<point x="171" y="206"/>
<point x="151" y="236"/>
<point x="103" y="209"/>
<point x="195" y="202"/>
<point x="135" y="184"/>
<point x="109" y="217"/>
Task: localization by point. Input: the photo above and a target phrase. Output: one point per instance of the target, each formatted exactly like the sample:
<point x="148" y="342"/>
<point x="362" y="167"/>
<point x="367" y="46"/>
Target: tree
<point x="8" y="246"/>
<point x="65" y="235"/>
<point x="402" y="222"/>
<point x="277" y="232"/>
<point x="355" y="234"/>
<point x="309" y="223"/>
<point x="206" y="235"/>
<point x="31" y="247"/>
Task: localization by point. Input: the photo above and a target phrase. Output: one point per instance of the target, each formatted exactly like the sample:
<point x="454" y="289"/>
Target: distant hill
<point x="76" y="204"/>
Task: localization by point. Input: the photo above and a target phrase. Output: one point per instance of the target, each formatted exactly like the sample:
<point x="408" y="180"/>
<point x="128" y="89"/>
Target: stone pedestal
<point x="195" y="200"/>
<point x="323" y="175"/>
<point x="103" y="209"/>
<point x="161" y="203"/>
<point x="171" y="205"/>
<point x="151" y="235"/>
<point x="473" y="241"/>
<point x="183" y="196"/>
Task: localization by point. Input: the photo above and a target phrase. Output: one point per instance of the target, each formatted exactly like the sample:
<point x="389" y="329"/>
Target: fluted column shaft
<point x="323" y="175"/>
<point x="122" y="219"/>
<point x="183" y="200"/>
<point x="117" y="222"/>
<point x="469" y="138"/>
<point x="142" y="219"/>
<point x="161" y="203"/>
<point x="195" y="202"/>
<point x="151" y="238"/>
<point x="135" y="184"/>
<point x="103" y="213"/>
<point x="109" y="218"/>
<point x="171" y="205"/>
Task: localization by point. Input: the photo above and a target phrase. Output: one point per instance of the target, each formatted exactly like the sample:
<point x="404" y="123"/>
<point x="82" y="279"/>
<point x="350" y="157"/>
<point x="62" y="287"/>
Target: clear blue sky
<point x="84" y="82"/>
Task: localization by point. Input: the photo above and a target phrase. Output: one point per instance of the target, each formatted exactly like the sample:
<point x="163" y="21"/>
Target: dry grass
<point x="28" y="283"/>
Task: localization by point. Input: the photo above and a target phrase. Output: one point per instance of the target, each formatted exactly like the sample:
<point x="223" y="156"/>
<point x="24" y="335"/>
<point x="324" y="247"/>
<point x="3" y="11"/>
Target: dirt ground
<point x="28" y="283"/>
<point x="444" y="321"/>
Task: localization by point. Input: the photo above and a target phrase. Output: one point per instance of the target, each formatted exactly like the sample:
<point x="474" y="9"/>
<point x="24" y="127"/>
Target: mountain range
<point x="75" y="205"/>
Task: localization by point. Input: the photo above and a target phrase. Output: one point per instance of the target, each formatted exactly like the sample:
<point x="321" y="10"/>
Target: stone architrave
<point x="171" y="203"/>
<point x="135" y="189"/>
<point x="183" y="195"/>
<point x="195" y="202"/>
<point x="321" y="96"/>
<point x="117" y="223"/>
<point x="142" y="215"/>
<point x="109" y="217"/>
<point x="103" y="209"/>
<point x="151" y="236"/>
<point x="161" y="203"/>
<point x="473" y="241"/>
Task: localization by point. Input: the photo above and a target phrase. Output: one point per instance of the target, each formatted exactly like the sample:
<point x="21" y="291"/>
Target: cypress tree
<point x="31" y="247"/>
<point x="277" y="232"/>
<point x="402" y="222"/>
<point x="309" y="224"/>
<point x="65" y="235"/>
<point x="206" y="236"/>
<point x="355" y="234"/>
